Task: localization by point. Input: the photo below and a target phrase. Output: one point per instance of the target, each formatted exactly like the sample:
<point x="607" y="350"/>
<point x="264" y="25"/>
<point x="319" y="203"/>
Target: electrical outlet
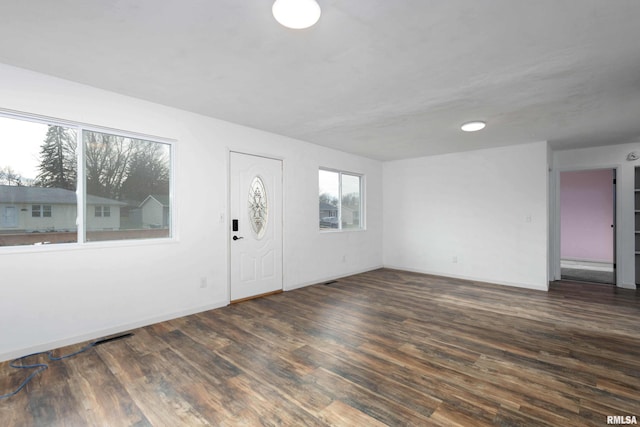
<point x="203" y="282"/>
<point x="455" y="260"/>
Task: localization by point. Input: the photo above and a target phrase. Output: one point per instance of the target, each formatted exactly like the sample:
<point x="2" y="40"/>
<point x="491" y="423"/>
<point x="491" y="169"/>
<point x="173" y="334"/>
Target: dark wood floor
<point x="380" y="348"/>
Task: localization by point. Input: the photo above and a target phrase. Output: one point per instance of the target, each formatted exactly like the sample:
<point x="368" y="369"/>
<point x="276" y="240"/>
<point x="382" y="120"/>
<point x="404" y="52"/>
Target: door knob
<point x="237" y="238"/>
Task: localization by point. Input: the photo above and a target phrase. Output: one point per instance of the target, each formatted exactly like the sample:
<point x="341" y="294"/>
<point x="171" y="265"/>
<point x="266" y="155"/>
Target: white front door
<point x="256" y="225"/>
<point x="9" y="217"/>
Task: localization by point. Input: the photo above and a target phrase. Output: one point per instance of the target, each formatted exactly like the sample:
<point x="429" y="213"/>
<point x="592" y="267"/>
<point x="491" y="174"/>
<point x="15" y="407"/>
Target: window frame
<point x="363" y="223"/>
<point x="102" y="211"/>
<point x="81" y="196"/>
<point x="41" y="211"/>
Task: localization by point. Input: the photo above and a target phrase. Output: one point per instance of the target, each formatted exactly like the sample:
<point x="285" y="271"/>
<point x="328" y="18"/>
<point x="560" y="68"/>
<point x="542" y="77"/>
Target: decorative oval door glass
<point x="258" y="208"/>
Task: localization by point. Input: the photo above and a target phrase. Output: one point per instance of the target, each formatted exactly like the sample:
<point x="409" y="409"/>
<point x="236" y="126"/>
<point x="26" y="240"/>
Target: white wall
<point x="55" y="296"/>
<point x="614" y="157"/>
<point x="488" y="208"/>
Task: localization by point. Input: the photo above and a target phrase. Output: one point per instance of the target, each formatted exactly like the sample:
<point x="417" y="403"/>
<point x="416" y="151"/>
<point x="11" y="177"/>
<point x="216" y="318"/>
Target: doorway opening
<point x="587" y="226"/>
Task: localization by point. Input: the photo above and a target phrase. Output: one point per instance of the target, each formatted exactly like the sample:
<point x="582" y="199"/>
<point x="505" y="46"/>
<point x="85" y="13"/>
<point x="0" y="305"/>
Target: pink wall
<point x="586" y="215"/>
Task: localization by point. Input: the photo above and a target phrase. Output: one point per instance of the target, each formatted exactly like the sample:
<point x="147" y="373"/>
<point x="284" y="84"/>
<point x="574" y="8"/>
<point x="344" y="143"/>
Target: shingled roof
<point x="164" y="200"/>
<point x="50" y="196"/>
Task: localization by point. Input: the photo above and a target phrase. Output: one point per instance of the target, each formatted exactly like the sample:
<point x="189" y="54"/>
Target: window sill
<point x="344" y="230"/>
<point x="63" y="247"/>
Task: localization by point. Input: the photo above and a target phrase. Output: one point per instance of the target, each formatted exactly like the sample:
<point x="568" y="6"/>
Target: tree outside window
<point x="39" y="173"/>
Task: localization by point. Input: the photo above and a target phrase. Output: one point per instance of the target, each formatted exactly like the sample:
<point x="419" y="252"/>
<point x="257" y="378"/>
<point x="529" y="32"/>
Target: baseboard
<point x="108" y="331"/>
<point x="586" y="264"/>
<point x="544" y="287"/>
<point x="329" y="278"/>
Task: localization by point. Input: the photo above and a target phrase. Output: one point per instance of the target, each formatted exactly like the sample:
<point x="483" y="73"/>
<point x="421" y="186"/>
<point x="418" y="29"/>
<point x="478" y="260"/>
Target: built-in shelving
<point x="637" y="221"/>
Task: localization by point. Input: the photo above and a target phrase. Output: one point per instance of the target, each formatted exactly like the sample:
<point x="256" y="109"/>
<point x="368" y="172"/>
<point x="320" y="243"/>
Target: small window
<point x="340" y="200"/>
<point x="102" y="211"/>
<point x="38" y="211"/>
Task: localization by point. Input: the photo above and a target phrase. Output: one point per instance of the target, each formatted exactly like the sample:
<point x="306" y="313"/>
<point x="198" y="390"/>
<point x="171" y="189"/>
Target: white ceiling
<point x="386" y="79"/>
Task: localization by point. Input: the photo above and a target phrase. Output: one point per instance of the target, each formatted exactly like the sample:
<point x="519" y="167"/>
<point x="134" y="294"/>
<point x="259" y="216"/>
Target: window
<point x="43" y="211"/>
<point x="38" y="165"/>
<point x="122" y="176"/>
<point x="102" y="211"/>
<point x="340" y="200"/>
<point x="120" y="173"/>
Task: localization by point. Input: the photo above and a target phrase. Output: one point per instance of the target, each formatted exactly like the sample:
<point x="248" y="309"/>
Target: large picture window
<point x="340" y="200"/>
<point x="125" y="192"/>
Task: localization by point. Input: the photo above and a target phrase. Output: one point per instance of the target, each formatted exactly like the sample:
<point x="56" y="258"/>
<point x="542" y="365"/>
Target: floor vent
<point x="331" y="282"/>
<point x="106" y="340"/>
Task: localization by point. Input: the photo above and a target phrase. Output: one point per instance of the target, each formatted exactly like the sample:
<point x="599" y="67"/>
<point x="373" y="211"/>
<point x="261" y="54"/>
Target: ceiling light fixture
<point x="296" y="14"/>
<point x="473" y="126"/>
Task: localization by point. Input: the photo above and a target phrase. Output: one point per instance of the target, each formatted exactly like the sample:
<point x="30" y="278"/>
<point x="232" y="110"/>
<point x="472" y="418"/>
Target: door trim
<point x="554" y="225"/>
<point x="228" y="221"/>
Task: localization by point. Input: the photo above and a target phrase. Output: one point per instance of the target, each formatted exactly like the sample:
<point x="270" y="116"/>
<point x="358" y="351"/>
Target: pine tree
<point x="57" y="167"/>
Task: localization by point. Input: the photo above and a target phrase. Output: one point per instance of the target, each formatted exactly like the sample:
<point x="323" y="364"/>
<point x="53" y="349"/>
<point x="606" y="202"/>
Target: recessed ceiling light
<point x="296" y="14"/>
<point x="473" y="126"/>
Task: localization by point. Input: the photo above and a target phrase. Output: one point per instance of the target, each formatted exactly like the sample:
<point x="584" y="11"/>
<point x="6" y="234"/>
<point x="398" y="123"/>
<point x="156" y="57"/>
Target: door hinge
<point x="614" y="181"/>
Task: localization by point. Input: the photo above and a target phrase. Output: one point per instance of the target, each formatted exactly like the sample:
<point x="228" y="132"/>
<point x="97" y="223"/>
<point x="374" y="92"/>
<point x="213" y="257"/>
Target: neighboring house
<point x="53" y="209"/>
<point x="328" y="211"/>
<point x="329" y="215"/>
<point x="155" y="211"/>
<point x="348" y="215"/>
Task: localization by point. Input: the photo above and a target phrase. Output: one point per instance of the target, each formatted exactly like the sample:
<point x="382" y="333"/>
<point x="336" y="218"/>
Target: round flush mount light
<point x="473" y="126"/>
<point x="296" y="14"/>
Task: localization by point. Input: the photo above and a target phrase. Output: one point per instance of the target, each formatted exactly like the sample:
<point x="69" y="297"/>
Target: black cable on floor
<point x="43" y="366"/>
